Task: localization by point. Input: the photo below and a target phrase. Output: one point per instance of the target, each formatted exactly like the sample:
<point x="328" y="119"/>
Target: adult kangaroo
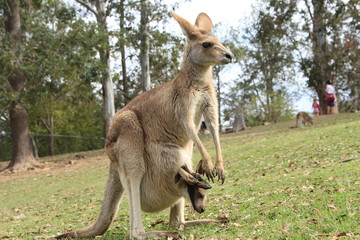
<point x="152" y="137"/>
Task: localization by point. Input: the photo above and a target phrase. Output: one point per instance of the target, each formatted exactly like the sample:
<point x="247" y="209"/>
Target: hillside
<point x="282" y="183"/>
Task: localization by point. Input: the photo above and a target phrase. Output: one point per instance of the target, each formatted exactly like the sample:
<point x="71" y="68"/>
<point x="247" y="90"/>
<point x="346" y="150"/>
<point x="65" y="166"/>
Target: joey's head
<point x="196" y="191"/>
<point x="203" y="48"/>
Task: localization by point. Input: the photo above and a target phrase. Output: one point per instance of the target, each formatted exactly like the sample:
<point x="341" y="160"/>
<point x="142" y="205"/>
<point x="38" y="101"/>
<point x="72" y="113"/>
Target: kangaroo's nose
<point x="229" y="56"/>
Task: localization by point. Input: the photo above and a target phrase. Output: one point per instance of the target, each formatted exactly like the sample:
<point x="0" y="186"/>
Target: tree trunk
<point x="49" y="125"/>
<point x="322" y="71"/>
<point x="104" y="51"/>
<point x="108" y="91"/>
<point x="51" y="137"/>
<point x="22" y="154"/>
<point x="144" y="45"/>
<point x="355" y="95"/>
<point x="123" y="55"/>
<point x="239" y="123"/>
<point x="218" y="94"/>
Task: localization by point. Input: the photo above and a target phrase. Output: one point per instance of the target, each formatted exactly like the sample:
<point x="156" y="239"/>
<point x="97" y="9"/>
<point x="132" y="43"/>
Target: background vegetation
<point x="65" y="48"/>
<point x="282" y="183"/>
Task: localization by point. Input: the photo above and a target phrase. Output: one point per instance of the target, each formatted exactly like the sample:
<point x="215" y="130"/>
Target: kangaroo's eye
<point x="207" y="44"/>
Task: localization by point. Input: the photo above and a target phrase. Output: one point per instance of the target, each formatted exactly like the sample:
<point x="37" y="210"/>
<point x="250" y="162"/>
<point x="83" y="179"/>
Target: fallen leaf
<point x="224" y="217"/>
<point x="21" y="216"/>
<point x="236" y="224"/>
<point x="332" y="207"/>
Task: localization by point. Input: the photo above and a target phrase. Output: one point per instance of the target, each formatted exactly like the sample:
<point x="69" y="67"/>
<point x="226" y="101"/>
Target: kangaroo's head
<point x="196" y="190"/>
<point x="202" y="48"/>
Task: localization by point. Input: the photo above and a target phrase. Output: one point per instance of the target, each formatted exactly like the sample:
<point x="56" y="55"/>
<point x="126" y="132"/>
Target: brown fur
<point x="302" y="118"/>
<point x="153" y="136"/>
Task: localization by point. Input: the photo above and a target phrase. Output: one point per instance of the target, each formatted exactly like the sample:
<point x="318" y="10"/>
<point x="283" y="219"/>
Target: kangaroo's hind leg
<point x="130" y="155"/>
<point x="112" y="196"/>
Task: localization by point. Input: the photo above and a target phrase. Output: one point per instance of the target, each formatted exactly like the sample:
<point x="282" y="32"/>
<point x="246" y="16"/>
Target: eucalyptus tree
<point x="61" y="68"/>
<point x="344" y="52"/>
<point x="267" y="68"/>
<point x="22" y="154"/>
<point x="332" y="28"/>
<point x="146" y="47"/>
<point x="101" y="9"/>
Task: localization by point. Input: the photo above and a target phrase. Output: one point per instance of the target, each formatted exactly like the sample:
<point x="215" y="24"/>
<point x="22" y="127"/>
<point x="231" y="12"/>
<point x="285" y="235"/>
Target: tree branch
<point x="46" y="125"/>
<point x="88" y="7"/>
<point x="309" y="10"/>
<point x="110" y="7"/>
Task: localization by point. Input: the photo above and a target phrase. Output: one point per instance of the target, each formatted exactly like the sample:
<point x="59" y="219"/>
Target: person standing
<point x="316" y="107"/>
<point x="330" y="97"/>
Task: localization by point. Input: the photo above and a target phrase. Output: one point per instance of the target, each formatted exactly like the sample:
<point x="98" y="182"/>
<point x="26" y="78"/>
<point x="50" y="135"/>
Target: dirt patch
<point x="59" y="164"/>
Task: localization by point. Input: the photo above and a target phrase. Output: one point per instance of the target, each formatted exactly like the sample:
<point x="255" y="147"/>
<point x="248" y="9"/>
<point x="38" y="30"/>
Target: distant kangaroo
<point x="302" y="118"/>
<point x="152" y="137"/>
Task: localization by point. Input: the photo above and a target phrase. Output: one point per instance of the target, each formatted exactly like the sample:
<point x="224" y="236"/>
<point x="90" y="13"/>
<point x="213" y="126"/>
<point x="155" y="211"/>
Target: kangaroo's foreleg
<point x="186" y="117"/>
<point x="211" y="119"/>
<point x="112" y="197"/>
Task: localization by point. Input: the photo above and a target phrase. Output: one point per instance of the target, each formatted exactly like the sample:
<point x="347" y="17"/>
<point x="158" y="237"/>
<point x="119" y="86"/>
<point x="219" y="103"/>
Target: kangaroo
<point x="153" y="136"/>
<point x="302" y="118"/>
<point x="195" y="192"/>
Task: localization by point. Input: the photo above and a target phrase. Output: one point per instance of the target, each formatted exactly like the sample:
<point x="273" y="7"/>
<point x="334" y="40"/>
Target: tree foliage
<point x="267" y="66"/>
<point x="63" y="69"/>
<point x="332" y="38"/>
<point x="64" y="46"/>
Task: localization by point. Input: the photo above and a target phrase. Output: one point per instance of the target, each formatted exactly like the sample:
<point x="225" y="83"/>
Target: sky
<point x="228" y="11"/>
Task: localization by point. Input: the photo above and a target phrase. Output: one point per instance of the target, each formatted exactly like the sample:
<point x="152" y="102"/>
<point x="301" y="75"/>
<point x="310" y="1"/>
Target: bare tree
<point x="22" y="156"/>
<point x="101" y="12"/>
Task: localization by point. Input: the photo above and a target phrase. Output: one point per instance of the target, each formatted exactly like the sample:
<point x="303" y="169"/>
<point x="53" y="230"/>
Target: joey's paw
<point x="207" y="169"/>
<point x="220" y="172"/>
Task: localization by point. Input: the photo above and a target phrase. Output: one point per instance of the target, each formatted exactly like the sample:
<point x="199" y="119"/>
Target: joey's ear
<point x="204" y="23"/>
<point x="187" y="28"/>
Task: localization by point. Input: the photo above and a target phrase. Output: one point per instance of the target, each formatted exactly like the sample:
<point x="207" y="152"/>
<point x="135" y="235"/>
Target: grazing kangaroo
<point x="152" y="137"/>
<point x="302" y="118"/>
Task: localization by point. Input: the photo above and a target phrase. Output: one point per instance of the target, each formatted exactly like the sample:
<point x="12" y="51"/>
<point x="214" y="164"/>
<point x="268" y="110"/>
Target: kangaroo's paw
<point x="220" y="172"/>
<point x="206" y="168"/>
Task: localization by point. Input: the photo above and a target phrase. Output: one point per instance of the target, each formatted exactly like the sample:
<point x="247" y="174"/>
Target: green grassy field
<point x="282" y="183"/>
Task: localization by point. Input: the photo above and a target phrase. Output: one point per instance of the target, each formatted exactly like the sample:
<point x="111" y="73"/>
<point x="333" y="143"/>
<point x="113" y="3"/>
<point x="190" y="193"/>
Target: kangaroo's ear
<point x="204" y="23"/>
<point x="187" y="28"/>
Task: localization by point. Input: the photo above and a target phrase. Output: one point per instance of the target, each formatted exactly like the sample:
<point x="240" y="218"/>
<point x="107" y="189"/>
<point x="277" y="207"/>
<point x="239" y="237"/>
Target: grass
<point x="282" y="183"/>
